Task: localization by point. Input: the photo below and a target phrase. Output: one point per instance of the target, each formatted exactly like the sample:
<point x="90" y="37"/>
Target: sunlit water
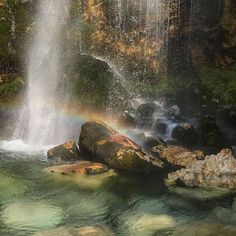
<point x="32" y="201"/>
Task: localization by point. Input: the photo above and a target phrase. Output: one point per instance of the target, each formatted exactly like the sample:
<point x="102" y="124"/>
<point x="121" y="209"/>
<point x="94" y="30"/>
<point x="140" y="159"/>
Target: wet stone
<point x="65" y="152"/>
<point x="82" y="167"/>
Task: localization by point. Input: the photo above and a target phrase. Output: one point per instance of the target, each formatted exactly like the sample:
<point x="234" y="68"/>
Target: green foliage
<point x="15" y="20"/>
<point x="5" y="27"/>
<point x="219" y="84"/>
<point x="11" y="88"/>
<point x="171" y="87"/>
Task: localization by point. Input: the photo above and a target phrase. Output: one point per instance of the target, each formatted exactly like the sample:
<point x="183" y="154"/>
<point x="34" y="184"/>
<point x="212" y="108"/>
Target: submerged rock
<point x="150" y="216"/>
<point x="65" y="152"/>
<point x="185" y="134"/>
<point x="85" y="168"/>
<point x="92" y="231"/>
<point x="31" y="215"/>
<point x="11" y="187"/>
<point x="223" y="216"/>
<point x="149" y="223"/>
<point x="82" y="231"/>
<point x="105" y="145"/>
<point x="176" y="157"/>
<point x="53" y="232"/>
<point x="214" y="171"/>
<point x="205" y="228"/>
<point x="64" y="174"/>
<point x="201" y="194"/>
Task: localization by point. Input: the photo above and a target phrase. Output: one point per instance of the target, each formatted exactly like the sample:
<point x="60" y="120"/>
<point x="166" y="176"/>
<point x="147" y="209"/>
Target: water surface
<point x="32" y="201"/>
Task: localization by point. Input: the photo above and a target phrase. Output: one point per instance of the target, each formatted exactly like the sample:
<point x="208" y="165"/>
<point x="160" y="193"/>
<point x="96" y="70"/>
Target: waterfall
<point x="39" y="123"/>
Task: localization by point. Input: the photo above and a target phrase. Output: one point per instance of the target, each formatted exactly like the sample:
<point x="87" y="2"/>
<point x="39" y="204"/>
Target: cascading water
<point x="39" y="122"/>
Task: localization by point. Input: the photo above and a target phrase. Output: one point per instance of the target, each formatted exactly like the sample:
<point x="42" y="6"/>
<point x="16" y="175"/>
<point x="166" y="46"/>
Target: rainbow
<point x="72" y="112"/>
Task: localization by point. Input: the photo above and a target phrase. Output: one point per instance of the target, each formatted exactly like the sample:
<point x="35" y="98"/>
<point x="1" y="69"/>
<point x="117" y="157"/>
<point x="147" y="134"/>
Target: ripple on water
<point x="87" y="208"/>
<point x="27" y="215"/>
<point x="205" y="228"/>
<point x="149" y="217"/>
<point x="11" y="188"/>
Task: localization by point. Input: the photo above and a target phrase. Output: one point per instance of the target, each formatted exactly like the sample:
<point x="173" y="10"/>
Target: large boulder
<point x="103" y="144"/>
<point x="65" y="152"/>
<point x="211" y="134"/>
<point x="185" y="134"/>
<point x="177" y="157"/>
<point x="214" y="171"/>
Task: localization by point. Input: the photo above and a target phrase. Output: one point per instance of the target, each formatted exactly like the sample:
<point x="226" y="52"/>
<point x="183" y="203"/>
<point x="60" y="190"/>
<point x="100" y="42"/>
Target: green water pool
<point x="32" y="202"/>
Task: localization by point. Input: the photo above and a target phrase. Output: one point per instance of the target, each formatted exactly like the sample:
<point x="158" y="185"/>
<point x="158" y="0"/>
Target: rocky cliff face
<point x="217" y="33"/>
<point x="197" y="30"/>
<point x="15" y="25"/>
<point x="176" y="48"/>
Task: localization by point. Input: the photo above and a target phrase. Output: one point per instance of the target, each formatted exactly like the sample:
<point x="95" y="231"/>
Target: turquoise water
<point x="32" y="201"/>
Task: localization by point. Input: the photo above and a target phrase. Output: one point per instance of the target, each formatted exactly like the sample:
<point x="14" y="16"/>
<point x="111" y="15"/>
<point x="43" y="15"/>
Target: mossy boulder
<point x="97" y="84"/>
<point x="65" y="152"/>
<point x="104" y="144"/>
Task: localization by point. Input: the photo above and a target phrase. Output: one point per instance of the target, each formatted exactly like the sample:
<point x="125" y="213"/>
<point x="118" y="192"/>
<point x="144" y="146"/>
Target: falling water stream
<point x="39" y="123"/>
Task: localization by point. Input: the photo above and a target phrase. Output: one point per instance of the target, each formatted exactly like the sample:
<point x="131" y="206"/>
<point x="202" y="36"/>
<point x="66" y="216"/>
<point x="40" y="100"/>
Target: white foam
<point x="19" y="145"/>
